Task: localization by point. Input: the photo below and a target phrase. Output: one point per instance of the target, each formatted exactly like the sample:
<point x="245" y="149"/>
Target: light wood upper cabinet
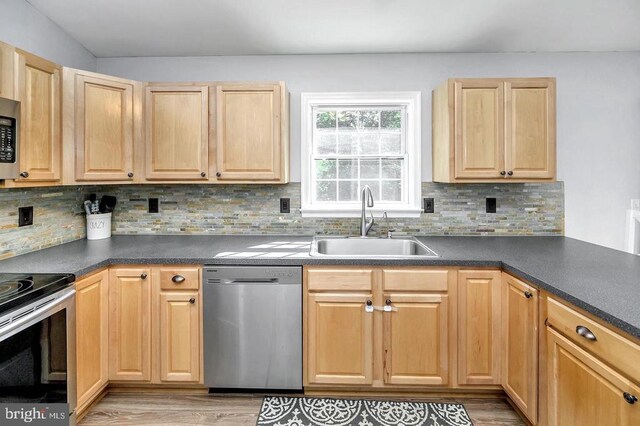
<point x="7" y="69"/>
<point x="479" y="327"/>
<point x="105" y="125"/>
<point x="530" y="128"/>
<point x="252" y="133"/>
<point x="180" y="329"/>
<point x="416" y="339"/>
<point x="479" y="129"/>
<point x="520" y="354"/>
<point x="129" y="324"/>
<point x="39" y="90"/>
<point x="584" y="391"/>
<point x="92" y="337"/>
<point x="177" y="132"/>
<point x="339" y="339"/>
<point x="494" y="130"/>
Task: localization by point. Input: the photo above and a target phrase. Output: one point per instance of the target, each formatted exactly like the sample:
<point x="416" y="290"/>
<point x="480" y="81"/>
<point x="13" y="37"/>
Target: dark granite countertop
<point x="602" y="281"/>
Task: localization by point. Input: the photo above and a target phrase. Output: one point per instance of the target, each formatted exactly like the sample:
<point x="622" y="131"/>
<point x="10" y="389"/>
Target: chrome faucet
<point x="367" y="201"/>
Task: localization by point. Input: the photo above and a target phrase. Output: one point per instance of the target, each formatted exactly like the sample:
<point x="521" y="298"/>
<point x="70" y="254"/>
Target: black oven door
<point x="37" y="352"/>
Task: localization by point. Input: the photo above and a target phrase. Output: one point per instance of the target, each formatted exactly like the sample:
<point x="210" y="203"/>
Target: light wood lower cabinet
<point x="130" y="324"/>
<point x="479" y="327"/>
<point x="92" y="338"/>
<point x="584" y="391"/>
<point x="177" y="325"/>
<point x="351" y="339"/>
<point x="416" y="339"/>
<point x="520" y="354"/>
<point x="339" y="339"/>
<point x="179" y="330"/>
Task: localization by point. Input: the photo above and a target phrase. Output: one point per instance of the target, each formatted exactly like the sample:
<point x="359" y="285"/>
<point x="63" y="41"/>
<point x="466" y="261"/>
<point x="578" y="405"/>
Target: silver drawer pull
<point x="178" y="279"/>
<point x="586" y="333"/>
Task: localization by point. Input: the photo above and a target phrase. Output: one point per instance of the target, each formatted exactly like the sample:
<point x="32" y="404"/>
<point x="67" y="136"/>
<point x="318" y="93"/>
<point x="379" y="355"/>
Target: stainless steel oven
<point x="9" y="138"/>
<point x="37" y="351"/>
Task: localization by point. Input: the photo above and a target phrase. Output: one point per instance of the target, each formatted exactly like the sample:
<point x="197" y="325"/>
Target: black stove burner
<point x="9" y="288"/>
<point x="17" y="290"/>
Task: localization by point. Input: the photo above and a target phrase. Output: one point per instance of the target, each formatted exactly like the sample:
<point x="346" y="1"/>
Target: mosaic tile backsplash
<point x="522" y="209"/>
<point x="58" y="218"/>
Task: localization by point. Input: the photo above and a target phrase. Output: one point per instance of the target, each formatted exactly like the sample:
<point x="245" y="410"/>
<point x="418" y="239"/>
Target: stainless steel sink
<point x="359" y="247"/>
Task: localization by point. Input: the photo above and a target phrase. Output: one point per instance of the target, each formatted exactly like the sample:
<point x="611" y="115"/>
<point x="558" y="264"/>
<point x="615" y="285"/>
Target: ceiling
<point x="110" y="28"/>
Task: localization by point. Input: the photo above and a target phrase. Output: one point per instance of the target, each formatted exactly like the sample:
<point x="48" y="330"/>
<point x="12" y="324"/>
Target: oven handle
<point x="37" y="315"/>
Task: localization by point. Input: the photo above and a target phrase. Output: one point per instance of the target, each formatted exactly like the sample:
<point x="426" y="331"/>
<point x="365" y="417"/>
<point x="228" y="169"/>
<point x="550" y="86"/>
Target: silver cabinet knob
<point x="178" y="279"/>
<point x="24" y="174"/>
<point x="586" y="333"/>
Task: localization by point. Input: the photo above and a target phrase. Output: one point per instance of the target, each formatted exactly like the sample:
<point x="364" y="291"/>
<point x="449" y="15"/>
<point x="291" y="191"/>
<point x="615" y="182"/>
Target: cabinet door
<point x="40" y="137"/>
<point x="7" y="68"/>
<point x="104" y="128"/>
<point x="339" y="339"/>
<point x="584" y="391"/>
<point x="479" y="129"/>
<point x="530" y="137"/>
<point x="479" y="327"/>
<point x="180" y="331"/>
<point x="520" y="334"/>
<point x="129" y="324"/>
<point x="415" y="339"/>
<point x="92" y="339"/>
<point x="177" y="132"/>
<point x="250" y="140"/>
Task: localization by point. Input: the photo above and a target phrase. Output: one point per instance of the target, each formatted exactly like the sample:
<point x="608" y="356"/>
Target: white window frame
<point x="411" y="102"/>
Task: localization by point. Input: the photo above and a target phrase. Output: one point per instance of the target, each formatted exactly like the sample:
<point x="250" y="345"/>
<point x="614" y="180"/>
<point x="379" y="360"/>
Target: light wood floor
<point x="232" y="410"/>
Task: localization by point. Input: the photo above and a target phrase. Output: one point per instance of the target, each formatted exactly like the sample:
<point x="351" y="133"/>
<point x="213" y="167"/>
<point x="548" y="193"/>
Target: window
<point x="354" y="139"/>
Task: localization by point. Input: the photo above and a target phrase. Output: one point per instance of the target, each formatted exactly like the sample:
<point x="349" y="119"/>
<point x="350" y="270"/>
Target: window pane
<point x="347" y="144"/>
<point x="391" y="119"/>
<point x="348" y="191"/>
<point x="370" y="143"/>
<point x="390" y="144"/>
<point x="326" y="190"/>
<point x="325" y="169"/>
<point x="326" y="120"/>
<point x="369" y="119"/>
<point x="391" y="190"/>
<point x="347" y="169"/>
<point x="347" y="120"/>
<point x="391" y="169"/>
<point x="325" y="142"/>
<point x="369" y="169"/>
<point x="375" y="188"/>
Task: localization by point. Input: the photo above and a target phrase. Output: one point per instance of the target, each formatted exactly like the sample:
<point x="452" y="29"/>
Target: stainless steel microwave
<point x="9" y="138"/>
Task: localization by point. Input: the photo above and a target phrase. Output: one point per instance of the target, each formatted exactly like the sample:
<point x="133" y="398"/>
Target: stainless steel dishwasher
<point x="253" y="327"/>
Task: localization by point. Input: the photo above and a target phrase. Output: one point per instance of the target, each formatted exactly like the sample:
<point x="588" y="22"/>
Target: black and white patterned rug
<point x="302" y="411"/>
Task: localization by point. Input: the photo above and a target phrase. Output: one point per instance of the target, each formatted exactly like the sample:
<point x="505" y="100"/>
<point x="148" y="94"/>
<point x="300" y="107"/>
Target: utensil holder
<point x="98" y="226"/>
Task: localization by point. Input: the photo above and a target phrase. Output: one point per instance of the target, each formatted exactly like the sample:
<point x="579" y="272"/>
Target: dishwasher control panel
<point x="253" y="274"/>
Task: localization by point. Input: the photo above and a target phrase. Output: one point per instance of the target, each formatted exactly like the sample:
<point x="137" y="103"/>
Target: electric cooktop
<point x="17" y="290"/>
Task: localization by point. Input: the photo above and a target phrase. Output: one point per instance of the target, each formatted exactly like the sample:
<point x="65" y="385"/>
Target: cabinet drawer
<point x="608" y="345"/>
<point x="180" y="278"/>
<point x="339" y="279"/>
<point x="415" y="279"/>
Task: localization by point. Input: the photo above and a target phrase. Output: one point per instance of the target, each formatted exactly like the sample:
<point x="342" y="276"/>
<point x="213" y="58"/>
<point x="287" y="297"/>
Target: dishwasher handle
<point x="249" y="281"/>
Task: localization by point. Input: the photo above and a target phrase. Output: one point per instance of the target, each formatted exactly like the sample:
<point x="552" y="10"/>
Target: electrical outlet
<point x="25" y="216"/>
<point x="154" y="205"/>
<point x="285" y="205"/>
<point x="428" y="205"/>
<point x="491" y="205"/>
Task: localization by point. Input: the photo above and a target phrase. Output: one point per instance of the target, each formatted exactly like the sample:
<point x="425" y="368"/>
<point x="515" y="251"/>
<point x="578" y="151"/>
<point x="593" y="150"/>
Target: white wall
<point x="25" y="27"/>
<point x="598" y="110"/>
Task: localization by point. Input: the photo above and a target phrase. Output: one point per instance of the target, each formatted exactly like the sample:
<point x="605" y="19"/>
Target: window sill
<point x="377" y="212"/>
